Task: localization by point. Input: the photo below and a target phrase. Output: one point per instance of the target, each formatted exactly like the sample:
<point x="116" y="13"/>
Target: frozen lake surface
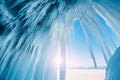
<point x="79" y="74"/>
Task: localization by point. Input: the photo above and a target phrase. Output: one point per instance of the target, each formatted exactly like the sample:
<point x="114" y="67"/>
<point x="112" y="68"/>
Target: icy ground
<point x="78" y="74"/>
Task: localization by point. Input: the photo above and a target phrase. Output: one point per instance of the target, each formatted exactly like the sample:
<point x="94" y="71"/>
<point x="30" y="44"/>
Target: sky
<point x="79" y="50"/>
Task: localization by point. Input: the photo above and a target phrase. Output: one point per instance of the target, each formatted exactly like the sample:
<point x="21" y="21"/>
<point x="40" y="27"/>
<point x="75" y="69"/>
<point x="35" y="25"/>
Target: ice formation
<point x="113" y="67"/>
<point x="34" y="32"/>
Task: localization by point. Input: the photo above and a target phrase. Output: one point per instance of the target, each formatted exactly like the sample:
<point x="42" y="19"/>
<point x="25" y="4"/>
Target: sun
<point x="58" y="60"/>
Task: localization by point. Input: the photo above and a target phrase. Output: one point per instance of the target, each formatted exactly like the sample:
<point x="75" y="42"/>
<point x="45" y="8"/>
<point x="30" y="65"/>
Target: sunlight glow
<point x="58" y="60"/>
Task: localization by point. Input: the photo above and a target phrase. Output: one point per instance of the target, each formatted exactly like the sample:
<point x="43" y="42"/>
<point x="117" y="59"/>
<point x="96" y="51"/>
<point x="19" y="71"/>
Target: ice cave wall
<point x="113" y="67"/>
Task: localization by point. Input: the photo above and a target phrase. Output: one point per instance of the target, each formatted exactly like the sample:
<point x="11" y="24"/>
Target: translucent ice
<point x="34" y="32"/>
<point x="113" y="67"/>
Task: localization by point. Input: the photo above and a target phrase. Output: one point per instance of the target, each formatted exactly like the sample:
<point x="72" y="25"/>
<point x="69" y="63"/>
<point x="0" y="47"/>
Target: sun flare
<point x="58" y="60"/>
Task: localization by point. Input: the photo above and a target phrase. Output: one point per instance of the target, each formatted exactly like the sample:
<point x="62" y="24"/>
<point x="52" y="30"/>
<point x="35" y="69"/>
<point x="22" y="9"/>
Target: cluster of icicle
<point x="34" y="32"/>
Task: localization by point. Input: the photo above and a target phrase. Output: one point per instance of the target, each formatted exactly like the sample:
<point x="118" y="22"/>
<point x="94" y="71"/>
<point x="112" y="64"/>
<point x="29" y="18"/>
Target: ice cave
<point x="59" y="39"/>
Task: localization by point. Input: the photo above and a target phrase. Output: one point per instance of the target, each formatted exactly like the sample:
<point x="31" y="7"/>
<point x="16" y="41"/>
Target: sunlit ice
<point x="29" y="28"/>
